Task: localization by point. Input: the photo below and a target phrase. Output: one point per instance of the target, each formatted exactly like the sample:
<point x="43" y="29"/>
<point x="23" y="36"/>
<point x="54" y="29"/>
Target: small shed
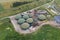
<point x="42" y="12"/>
<point x="57" y="19"/>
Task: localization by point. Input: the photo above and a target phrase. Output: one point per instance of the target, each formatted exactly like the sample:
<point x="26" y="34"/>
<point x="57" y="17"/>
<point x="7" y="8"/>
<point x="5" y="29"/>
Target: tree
<point x="49" y="16"/>
<point x="25" y="26"/>
<point x="29" y="20"/>
<point x="30" y="15"/>
<point x="20" y="21"/>
<point x="18" y="17"/>
<point x="25" y="16"/>
<point x="15" y="4"/>
<point x="41" y="17"/>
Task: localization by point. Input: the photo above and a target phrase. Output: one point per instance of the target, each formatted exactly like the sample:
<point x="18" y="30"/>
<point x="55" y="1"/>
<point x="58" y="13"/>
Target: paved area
<point x="31" y="29"/>
<point x="18" y="29"/>
<point x="17" y="26"/>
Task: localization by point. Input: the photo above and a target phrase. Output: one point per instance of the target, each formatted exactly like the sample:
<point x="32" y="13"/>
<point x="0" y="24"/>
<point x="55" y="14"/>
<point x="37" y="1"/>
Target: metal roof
<point x="57" y="18"/>
<point x="42" y="11"/>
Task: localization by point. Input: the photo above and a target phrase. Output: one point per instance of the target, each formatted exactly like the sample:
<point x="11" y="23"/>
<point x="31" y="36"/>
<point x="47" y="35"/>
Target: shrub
<point x="35" y="24"/>
<point x="19" y="3"/>
<point x="25" y="16"/>
<point x="29" y="20"/>
<point x="49" y="16"/>
<point x="21" y="20"/>
<point x="18" y="17"/>
<point x="41" y="17"/>
<point x="25" y="26"/>
<point x="30" y="15"/>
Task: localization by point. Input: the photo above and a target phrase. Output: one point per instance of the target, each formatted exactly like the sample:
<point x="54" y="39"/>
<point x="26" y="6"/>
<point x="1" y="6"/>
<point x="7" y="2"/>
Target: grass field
<point x="1" y="8"/>
<point x="57" y="1"/>
<point x="14" y="0"/>
<point x="5" y="24"/>
<point x="22" y="8"/>
<point x="47" y="32"/>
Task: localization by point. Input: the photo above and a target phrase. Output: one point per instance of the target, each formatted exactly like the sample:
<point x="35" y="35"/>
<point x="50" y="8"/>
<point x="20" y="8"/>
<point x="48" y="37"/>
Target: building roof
<point x="42" y="11"/>
<point x="57" y="18"/>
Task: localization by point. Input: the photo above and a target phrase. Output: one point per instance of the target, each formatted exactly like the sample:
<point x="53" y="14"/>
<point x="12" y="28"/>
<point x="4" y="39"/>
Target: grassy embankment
<point x="47" y="32"/>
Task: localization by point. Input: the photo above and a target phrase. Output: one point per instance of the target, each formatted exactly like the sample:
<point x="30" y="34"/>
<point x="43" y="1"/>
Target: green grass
<point x="1" y="8"/>
<point x="47" y="32"/>
<point x="5" y="24"/>
<point x="14" y="0"/>
<point x="57" y="1"/>
<point x="22" y="8"/>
